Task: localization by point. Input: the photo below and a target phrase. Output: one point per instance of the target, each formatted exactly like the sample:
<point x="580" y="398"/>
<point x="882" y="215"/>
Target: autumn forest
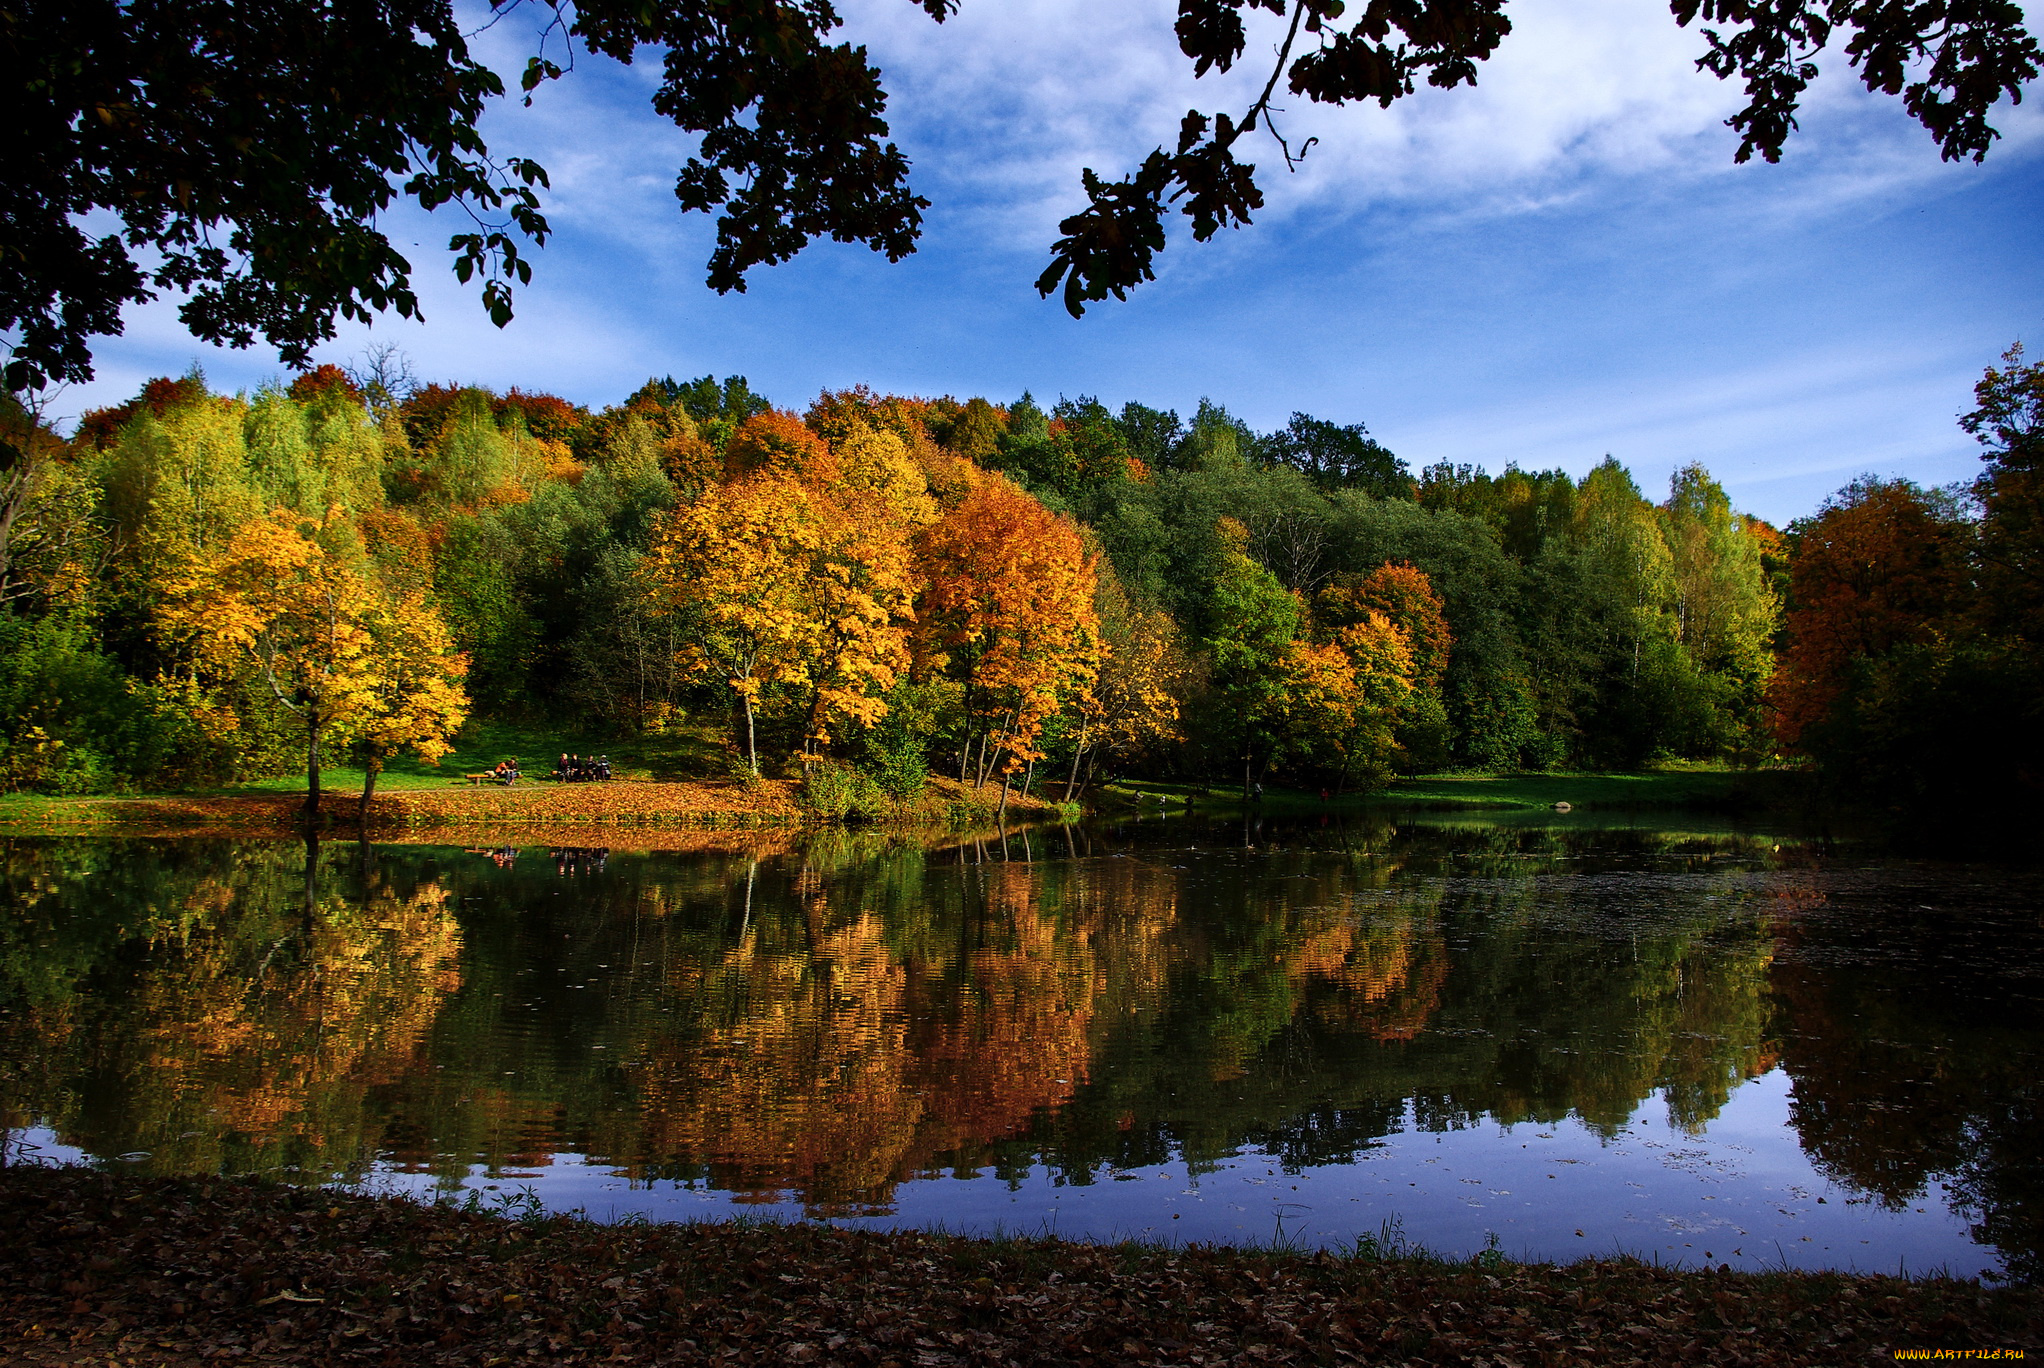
<point x="202" y="588"/>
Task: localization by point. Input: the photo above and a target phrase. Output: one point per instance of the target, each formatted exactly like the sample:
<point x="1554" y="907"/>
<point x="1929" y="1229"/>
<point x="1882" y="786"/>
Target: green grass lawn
<point x="689" y="754"/>
<point x="682" y="755"/>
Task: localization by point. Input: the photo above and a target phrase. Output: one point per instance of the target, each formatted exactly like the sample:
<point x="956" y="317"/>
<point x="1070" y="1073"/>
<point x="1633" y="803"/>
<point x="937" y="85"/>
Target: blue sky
<point x="1557" y="265"/>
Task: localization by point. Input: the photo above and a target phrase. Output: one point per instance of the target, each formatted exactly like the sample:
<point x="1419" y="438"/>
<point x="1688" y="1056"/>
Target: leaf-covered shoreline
<point x="559" y="814"/>
<point x="185" y="1271"/>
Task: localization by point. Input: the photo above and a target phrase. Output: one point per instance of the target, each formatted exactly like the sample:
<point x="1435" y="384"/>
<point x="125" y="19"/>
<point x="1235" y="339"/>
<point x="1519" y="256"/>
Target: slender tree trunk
<point x="810" y="754"/>
<point x="1092" y="769"/>
<point x="751" y="742"/>
<point x="986" y="762"/>
<point x="369" y="773"/>
<point x="965" y="750"/>
<point x="1029" y="776"/>
<point x="311" y="764"/>
<point x="1078" y="754"/>
<point x="1006" y="779"/>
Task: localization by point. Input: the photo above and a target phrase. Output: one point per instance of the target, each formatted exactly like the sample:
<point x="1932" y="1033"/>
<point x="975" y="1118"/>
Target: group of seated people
<point x="579" y="769"/>
<point x="505" y="772"/>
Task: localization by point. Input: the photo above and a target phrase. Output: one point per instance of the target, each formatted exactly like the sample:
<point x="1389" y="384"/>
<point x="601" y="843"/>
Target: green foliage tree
<point x="1252" y="622"/>
<point x="1336" y="457"/>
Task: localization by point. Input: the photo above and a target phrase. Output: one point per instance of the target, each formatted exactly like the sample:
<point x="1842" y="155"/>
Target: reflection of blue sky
<point x="1741" y="1193"/>
<point x="1559" y="264"/>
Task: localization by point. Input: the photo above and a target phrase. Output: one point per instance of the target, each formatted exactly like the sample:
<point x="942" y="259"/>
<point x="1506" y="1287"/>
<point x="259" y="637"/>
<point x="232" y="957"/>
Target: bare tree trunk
<point x="1028" y="776"/>
<point x="369" y="773"/>
<point x="965" y="750"/>
<point x="810" y="753"/>
<point x="751" y="742"/>
<point x="986" y="763"/>
<point x="311" y="764"/>
<point x="1092" y="769"/>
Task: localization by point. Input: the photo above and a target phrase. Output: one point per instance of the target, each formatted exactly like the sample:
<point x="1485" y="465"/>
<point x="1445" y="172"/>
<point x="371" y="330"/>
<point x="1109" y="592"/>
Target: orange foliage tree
<point x="1403" y="595"/>
<point x="1403" y="676"/>
<point x="1881" y="565"/>
<point x="1007" y="608"/>
<point x="780" y="443"/>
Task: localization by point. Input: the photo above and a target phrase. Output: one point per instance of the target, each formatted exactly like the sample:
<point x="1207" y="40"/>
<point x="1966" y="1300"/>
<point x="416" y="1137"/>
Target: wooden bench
<point x="485" y="777"/>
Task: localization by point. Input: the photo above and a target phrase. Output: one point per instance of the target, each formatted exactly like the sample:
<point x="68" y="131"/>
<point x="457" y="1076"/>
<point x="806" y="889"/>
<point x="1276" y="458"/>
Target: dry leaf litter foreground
<point x="101" y="1268"/>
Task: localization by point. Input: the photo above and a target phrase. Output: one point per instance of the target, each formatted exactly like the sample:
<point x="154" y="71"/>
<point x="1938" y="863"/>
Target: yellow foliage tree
<point x="416" y="700"/>
<point x="798" y="572"/>
<point x="1133" y="703"/>
<point x="1387" y="678"/>
<point x="863" y="577"/>
<point x="289" y="595"/>
<point x="738" y="560"/>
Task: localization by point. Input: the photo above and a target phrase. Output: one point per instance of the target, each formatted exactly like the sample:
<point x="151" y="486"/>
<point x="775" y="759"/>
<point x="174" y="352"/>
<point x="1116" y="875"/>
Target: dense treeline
<point x="1911" y="667"/>
<point x="201" y="588"/>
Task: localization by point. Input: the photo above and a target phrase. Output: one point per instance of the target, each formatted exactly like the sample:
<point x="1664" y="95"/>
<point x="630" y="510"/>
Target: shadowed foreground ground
<point x="98" y="1268"/>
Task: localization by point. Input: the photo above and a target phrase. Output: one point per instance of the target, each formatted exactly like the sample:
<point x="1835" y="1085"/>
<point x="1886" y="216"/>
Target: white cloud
<point x="1003" y="105"/>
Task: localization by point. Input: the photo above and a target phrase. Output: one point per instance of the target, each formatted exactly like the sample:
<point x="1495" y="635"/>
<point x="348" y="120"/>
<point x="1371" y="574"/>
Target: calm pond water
<point x="1701" y="1047"/>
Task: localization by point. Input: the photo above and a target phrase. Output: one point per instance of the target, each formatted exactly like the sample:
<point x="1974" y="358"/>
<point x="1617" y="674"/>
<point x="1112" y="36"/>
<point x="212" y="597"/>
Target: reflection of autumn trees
<point x="1010" y="1035"/>
<point x="832" y="1064"/>
<point x="798" y="1076"/>
<point x="1385" y="980"/>
<point x="341" y="1000"/>
<point x="830" y="1022"/>
<point x="237" y="1012"/>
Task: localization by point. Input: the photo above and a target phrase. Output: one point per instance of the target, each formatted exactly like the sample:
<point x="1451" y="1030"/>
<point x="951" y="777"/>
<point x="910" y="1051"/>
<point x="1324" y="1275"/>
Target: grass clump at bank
<point x="184" y="1271"/>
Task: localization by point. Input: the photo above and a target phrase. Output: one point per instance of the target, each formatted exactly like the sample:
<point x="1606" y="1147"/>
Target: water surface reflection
<point x="1699" y="1045"/>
